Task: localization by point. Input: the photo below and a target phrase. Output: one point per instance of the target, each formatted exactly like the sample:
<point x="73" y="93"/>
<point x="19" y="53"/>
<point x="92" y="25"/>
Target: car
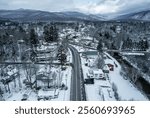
<point x="24" y="97"/>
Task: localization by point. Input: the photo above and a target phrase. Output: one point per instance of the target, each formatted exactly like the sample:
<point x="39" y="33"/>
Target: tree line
<point x="141" y="45"/>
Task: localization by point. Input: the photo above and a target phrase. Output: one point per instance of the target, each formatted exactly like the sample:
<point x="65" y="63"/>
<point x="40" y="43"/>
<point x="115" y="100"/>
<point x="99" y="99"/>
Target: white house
<point x="95" y="74"/>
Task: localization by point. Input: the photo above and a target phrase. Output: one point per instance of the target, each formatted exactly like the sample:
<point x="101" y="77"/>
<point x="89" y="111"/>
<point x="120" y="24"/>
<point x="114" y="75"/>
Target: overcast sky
<point x="87" y="6"/>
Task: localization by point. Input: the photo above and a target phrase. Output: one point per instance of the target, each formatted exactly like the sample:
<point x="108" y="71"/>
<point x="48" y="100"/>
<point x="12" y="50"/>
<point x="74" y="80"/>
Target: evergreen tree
<point x="50" y="33"/>
<point x="21" y="30"/>
<point x="129" y="43"/>
<point x="33" y="38"/>
<point x="100" y="46"/>
<point x="146" y="45"/>
<point x="143" y="44"/>
<point x="107" y="35"/>
<point x="46" y="33"/>
<point x="55" y="34"/>
<point x="100" y="60"/>
<point x="100" y="34"/>
<point x="62" y="57"/>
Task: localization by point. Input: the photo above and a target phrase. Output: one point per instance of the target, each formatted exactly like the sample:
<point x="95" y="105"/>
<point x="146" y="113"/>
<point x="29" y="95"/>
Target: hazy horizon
<point x="85" y="6"/>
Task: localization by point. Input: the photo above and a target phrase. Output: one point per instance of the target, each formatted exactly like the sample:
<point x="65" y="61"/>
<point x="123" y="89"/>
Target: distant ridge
<point x="37" y="15"/>
<point x="142" y="15"/>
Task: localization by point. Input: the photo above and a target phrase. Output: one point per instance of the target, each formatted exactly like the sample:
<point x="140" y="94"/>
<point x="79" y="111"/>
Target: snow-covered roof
<point x="108" y="94"/>
<point x="11" y="72"/>
<point x="46" y="93"/>
<point x="103" y="83"/>
<point x="97" y="71"/>
<point x="109" y="61"/>
<point x="105" y="67"/>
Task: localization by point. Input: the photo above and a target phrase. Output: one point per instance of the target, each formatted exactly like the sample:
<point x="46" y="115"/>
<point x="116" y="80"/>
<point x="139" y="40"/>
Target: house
<point x="89" y="62"/>
<point x="111" y="67"/>
<point x="118" y="29"/>
<point x="110" y="63"/>
<point x="106" y="93"/>
<point x="9" y="74"/>
<point x="106" y="69"/>
<point x="95" y="74"/>
<point x="90" y="57"/>
<point x="46" y="94"/>
<point x="45" y="79"/>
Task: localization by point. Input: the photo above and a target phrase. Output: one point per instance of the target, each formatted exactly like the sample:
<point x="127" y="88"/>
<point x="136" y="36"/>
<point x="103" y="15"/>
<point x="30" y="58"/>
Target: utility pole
<point x="20" y="55"/>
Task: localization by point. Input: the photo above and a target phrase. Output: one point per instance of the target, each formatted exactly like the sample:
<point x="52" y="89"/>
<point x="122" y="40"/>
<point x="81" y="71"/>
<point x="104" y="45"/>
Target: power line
<point x="38" y="63"/>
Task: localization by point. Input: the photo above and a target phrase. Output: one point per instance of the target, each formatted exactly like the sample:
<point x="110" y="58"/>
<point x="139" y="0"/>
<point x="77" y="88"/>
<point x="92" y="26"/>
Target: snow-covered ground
<point x="54" y="93"/>
<point x="126" y="90"/>
<point x="127" y="53"/>
<point x="64" y="95"/>
<point x="66" y="79"/>
<point x="99" y="91"/>
<point x="103" y="90"/>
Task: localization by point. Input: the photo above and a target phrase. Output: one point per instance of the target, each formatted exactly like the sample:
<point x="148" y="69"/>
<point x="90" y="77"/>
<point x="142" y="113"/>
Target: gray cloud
<point x="115" y="6"/>
<point x="133" y="6"/>
<point x="88" y="6"/>
<point x="49" y="5"/>
<point x="4" y="4"/>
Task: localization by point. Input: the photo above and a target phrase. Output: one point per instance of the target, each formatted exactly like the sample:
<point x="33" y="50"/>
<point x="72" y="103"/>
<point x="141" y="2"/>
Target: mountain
<point x="34" y="15"/>
<point x="83" y="16"/>
<point x="142" y="15"/>
<point x="37" y="15"/>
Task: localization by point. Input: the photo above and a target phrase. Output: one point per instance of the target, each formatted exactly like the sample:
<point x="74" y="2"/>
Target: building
<point x="110" y="63"/>
<point x="9" y="74"/>
<point x="111" y="67"/>
<point x="90" y="57"/>
<point x="45" y="80"/>
<point x="106" y="69"/>
<point x="95" y="74"/>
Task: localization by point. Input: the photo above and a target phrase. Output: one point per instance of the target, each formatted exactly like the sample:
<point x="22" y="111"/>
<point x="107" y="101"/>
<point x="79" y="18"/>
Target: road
<point x="77" y="84"/>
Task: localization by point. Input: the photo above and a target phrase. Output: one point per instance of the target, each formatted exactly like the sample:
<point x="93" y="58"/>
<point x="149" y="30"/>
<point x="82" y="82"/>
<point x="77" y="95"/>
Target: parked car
<point x="24" y="97"/>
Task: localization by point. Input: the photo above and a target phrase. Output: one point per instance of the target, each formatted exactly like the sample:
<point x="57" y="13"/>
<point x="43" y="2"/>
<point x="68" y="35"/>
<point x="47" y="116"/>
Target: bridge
<point x="123" y="52"/>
